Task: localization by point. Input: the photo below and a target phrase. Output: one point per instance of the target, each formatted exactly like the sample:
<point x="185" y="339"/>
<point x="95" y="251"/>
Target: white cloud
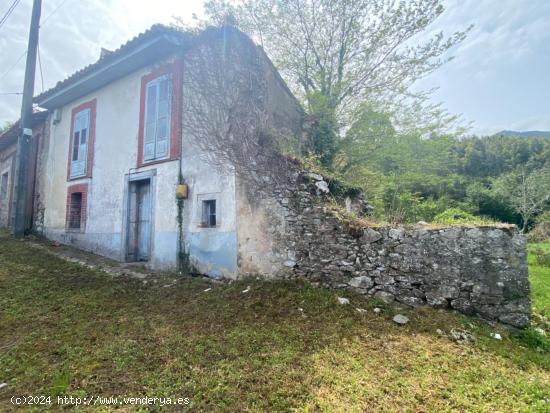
<point x="73" y="36"/>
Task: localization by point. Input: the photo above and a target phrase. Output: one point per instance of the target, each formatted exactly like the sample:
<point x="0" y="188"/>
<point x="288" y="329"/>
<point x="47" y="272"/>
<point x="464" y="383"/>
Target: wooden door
<point x="139" y="220"/>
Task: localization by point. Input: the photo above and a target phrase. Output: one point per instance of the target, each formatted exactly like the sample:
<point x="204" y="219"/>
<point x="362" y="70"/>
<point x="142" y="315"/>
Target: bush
<point x="534" y="339"/>
<point x="453" y="216"/>
<point x="542" y="257"/>
<point x="541" y="231"/>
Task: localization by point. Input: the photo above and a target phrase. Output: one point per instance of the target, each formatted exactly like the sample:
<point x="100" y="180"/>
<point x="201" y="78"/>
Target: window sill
<point x="155" y="162"/>
<point x="75" y="178"/>
<point x="74" y="230"/>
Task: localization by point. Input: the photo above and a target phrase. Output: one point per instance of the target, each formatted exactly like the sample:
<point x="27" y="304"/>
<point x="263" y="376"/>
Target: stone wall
<point x="477" y="270"/>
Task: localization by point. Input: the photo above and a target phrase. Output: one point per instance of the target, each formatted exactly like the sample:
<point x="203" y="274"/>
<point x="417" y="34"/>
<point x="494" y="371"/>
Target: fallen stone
<point x="361" y="310"/>
<point x="246" y="290"/>
<point x="289" y="263"/>
<point x="540" y="331"/>
<point x="400" y="319"/>
<point x="343" y="301"/>
<point x="208" y="289"/>
<point x="496" y="336"/>
<point x="440" y="332"/>
<point x="377" y="310"/>
<point x="2" y="385"/>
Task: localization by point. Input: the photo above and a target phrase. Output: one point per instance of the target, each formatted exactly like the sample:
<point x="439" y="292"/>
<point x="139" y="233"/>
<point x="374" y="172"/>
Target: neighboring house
<point x="117" y="149"/>
<point x="8" y="146"/>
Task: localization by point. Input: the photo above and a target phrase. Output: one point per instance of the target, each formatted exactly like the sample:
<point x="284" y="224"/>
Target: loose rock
<point x="343" y="301"/>
<point x="401" y="319"/>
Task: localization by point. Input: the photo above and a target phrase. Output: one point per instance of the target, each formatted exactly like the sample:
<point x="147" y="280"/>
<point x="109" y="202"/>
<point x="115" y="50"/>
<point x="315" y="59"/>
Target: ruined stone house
<point x="120" y="173"/>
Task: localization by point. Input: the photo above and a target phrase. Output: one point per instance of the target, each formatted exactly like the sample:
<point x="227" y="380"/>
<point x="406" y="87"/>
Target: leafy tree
<point x="527" y="193"/>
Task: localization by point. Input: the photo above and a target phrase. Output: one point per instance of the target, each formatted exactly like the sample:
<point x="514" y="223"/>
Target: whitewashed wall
<point x="115" y="156"/>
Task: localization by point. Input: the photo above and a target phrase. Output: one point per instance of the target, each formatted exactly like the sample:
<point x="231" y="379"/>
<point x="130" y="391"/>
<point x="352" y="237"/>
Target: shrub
<point x="542" y="257"/>
<point x="457" y="216"/>
<point x="534" y="339"/>
<point x="541" y="231"/>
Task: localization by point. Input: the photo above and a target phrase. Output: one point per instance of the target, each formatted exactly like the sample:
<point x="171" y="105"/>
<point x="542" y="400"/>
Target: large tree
<point x="340" y="53"/>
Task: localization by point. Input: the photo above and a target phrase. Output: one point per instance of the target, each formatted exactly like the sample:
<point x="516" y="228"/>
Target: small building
<point x="8" y="148"/>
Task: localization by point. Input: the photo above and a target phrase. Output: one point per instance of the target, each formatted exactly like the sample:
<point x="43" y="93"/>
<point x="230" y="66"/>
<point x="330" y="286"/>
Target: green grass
<point x="540" y="282"/>
<point x="283" y="346"/>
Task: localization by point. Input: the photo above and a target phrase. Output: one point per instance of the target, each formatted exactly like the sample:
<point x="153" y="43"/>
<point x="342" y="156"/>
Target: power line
<point x="11" y="93"/>
<point x="9" y="12"/>
<point x="25" y="52"/>
<point x="52" y="13"/>
<point x="40" y="65"/>
<point x="13" y="66"/>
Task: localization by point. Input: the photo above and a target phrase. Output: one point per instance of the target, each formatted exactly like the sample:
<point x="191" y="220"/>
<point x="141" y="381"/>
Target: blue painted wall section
<point x="214" y="253"/>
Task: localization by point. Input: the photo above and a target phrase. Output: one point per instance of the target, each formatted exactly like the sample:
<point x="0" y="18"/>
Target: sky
<point x="499" y="78"/>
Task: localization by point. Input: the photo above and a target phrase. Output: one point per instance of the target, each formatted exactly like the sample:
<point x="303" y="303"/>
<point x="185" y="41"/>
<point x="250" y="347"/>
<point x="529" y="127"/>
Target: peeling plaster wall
<point x="212" y="251"/>
<point x="7" y="165"/>
<point x="115" y="156"/>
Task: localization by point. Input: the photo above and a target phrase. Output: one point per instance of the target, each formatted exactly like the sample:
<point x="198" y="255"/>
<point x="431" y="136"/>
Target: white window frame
<point x="81" y="150"/>
<point x="155" y="156"/>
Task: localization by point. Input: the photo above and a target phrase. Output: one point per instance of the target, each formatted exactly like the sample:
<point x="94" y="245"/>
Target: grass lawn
<point x="280" y="347"/>
<point x="540" y="282"/>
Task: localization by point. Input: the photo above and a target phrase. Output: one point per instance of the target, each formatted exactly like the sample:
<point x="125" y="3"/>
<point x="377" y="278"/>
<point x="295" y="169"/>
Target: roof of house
<point x="148" y="46"/>
<point x="9" y="136"/>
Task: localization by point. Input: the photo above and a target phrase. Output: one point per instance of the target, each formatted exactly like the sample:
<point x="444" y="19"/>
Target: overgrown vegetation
<point x="282" y="346"/>
<point x="353" y="64"/>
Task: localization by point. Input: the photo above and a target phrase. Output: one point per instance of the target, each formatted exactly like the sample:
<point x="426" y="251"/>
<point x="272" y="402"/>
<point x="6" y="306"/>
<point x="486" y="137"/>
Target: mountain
<point x="524" y="134"/>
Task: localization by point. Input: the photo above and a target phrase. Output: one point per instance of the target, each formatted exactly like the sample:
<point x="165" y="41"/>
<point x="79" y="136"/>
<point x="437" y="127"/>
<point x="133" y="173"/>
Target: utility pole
<point x="25" y="133"/>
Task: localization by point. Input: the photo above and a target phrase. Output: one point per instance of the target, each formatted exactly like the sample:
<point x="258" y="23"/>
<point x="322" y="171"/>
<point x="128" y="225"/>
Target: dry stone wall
<point x="477" y="271"/>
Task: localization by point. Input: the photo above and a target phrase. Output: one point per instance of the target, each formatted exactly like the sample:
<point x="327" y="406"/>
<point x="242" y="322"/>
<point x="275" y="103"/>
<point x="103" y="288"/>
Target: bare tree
<point x="348" y="51"/>
<point x="226" y="106"/>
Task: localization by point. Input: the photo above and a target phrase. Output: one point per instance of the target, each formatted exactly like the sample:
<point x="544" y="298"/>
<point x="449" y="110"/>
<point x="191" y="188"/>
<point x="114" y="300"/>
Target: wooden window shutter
<point x="163" y="117"/>
<point x="150" y="121"/>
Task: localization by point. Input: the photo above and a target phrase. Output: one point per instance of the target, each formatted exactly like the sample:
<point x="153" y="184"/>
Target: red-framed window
<point x="81" y="146"/>
<point x="159" y="134"/>
<point x="77" y="203"/>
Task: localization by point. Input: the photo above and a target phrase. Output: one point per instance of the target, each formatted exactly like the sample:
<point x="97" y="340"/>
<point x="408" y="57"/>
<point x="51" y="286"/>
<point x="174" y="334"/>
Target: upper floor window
<point x="158" y="107"/>
<point x="159" y="135"/>
<point x="82" y="140"/>
<point x="79" y="153"/>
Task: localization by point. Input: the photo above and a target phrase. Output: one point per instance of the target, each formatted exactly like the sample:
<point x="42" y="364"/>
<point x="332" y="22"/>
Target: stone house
<point x="122" y="171"/>
<point x="117" y="149"/>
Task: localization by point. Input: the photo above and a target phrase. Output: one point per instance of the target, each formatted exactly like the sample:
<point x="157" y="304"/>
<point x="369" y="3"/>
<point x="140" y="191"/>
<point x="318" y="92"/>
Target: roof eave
<point x="143" y="55"/>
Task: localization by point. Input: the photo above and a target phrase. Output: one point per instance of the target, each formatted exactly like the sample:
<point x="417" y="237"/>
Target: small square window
<point x="75" y="212"/>
<point x="209" y="213"/>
